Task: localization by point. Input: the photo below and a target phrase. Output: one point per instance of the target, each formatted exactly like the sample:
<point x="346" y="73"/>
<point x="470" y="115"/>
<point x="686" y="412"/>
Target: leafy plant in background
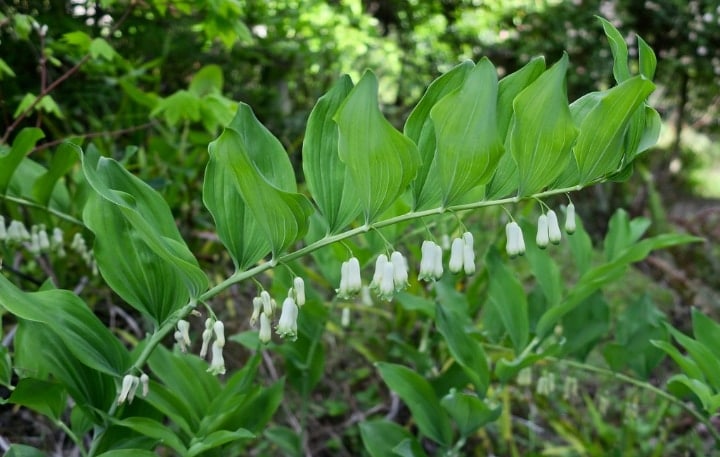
<point x="471" y="142"/>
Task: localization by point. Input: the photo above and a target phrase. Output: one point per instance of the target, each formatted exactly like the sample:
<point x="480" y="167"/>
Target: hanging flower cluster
<point x="264" y="307"/>
<point x="130" y="384"/>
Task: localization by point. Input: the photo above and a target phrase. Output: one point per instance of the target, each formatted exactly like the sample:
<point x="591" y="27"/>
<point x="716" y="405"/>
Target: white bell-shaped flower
<point x="468" y="253"/>
<point x="217" y="364"/>
<point x="554" y="233"/>
<point x="400" y="270"/>
<point x="129" y="386"/>
<point x="299" y="290"/>
<point x="438" y="262"/>
<point x="265" y="334"/>
<point x="379" y="269"/>
<point x="267" y="300"/>
<point x="219" y="329"/>
<point x="427" y="261"/>
<point x="257" y="308"/>
<point x="145" y="383"/>
<point x="206" y="337"/>
<point x="287" y="325"/>
<point x="386" y="289"/>
<point x="456" y="256"/>
<point x="515" y="243"/>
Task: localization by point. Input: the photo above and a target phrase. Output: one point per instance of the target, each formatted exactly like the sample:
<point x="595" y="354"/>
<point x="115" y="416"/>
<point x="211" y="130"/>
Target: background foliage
<point x="152" y="83"/>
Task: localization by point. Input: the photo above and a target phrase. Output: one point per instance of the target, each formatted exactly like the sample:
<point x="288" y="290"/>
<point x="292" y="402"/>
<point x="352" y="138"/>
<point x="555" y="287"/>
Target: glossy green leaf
<point x="382" y="161"/>
<point x="702" y="355"/>
<point x="409" y="447"/>
<point x="23" y="143"/>
<point x="505" y="180"/>
<point x="88" y="339"/>
<point x="101" y="48"/>
<point x="6" y="367"/>
<point x="619" y="51"/>
<point x="47" y="398"/>
<point x="281" y="215"/>
<point x="173" y="406"/>
<point x="61" y="163"/>
<point x="419" y="128"/>
<point x="623" y="232"/>
<point x="326" y="175"/>
<point x="217" y="439"/>
<point x="647" y="59"/>
<point x="156" y="430"/>
<point x="469" y="412"/>
<point x="468" y="144"/>
<point x="706" y="331"/>
<point x="180" y="106"/>
<point x="542" y="132"/>
<point x="138" y="248"/>
<point x="419" y="397"/>
<point x="597" y="277"/>
<point x="380" y="437"/>
<point x="467" y="351"/>
<point x="686" y="364"/>
<point x="599" y="147"/>
<point x="208" y="80"/>
<point x="507" y="296"/>
<point x="710" y="402"/>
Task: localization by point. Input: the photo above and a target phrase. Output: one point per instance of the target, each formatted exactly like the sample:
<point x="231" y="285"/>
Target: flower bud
<point x="354" y="280"/>
<point x="345" y="317"/>
<point x="570" y="219"/>
<point x="183" y="327"/>
<point x="127" y="391"/>
<point x="299" y="290"/>
<point x="400" y="270"/>
<point x="515" y="244"/>
<point x="206" y="337"/>
<point x="257" y="307"/>
<point x="542" y="237"/>
<point x="427" y="261"/>
<point x="456" y="256"/>
<point x="438" y="262"/>
<point x="468" y="253"/>
<point x="145" y="382"/>
<point x="554" y="233"/>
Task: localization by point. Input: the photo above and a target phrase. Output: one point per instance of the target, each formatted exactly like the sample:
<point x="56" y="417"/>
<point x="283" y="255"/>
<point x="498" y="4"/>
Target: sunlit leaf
<point x="23" y="143"/>
<point x="326" y="175"/>
<point x="381" y="160"/>
<point x="619" y="50"/>
<point x="468" y="144"/>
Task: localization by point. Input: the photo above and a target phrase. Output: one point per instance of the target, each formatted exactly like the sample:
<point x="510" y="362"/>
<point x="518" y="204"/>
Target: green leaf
<point x="327" y="177"/>
<point x="702" y="355"/>
<point x="619" y="51"/>
<point x="23" y="143"/>
<point x="47" y="398"/>
<point x="599" y="147"/>
<point x="544" y="269"/>
<point x="20" y="450"/>
<point x="6" y="367"/>
<point x="420" y="398"/>
<point x="710" y="402"/>
<point x="468" y="144"/>
<point x="180" y="106"/>
<point x="382" y="161"/>
<point x="380" y="437"/>
<point x="647" y="59"/>
<point x="100" y="48"/>
<point x="245" y="149"/>
<point x="5" y="70"/>
<point x="505" y="179"/>
<point x="88" y="339"/>
<point x="686" y="364"/>
<point x="156" y="430"/>
<point x="507" y="296"/>
<point x="542" y="132"/>
<point x="128" y="453"/>
<point x="622" y="233"/>
<point x="597" y="277"/>
<point x="409" y="447"/>
<point x="286" y="439"/>
<point x="61" y="163"/>
<point x="706" y="331"/>
<point x="464" y="348"/>
<point x="217" y="439"/>
<point x="419" y="128"/>
<point x="77" y="38"/>
<point x="469" y="412"/>
<point x="138" y="247"/>
<point x="208" y="80"/>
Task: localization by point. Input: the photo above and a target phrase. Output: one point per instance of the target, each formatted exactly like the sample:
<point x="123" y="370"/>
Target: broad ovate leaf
<point x="419" y="128"/>
<point x="138" y="248"/>
<point x="326" y="175"/>
<point x="382" y="161"/>
<point x="468" y="144"/>
<point x="255" y="164"/>
<point x="542" y="132"/>
<point x="604" y="119"/>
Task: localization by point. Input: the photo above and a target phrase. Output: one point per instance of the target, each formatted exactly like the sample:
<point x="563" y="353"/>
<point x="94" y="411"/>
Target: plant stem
<point x="78" y="442"/>
<point x="239" y="276"/>
<point x="31" y="204"/>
